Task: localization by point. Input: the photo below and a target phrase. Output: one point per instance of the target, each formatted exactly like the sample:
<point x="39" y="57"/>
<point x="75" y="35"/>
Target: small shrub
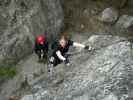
<point x="7" y="71"/>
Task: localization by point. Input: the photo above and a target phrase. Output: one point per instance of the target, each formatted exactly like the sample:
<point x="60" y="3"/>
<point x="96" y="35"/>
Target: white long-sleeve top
<point x="60" y="56"/>
<point x="75" y="44"/>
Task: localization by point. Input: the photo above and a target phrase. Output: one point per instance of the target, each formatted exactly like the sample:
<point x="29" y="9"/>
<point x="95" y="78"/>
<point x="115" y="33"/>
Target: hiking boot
<point x="67" y="64"/>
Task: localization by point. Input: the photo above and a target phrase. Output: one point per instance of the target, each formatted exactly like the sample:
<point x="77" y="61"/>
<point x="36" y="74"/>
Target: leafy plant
<point x="7" y="71"/>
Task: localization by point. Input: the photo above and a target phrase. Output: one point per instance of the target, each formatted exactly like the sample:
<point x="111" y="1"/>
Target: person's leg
<point x="51" y="71"/>
<point x="45" y="55"/>
<point x="51" y="62"/>
<point x="45" y="50"/>
<point x="38" y="52"/>
<point x="51" y="66"/>
<point x="67" y="62"/>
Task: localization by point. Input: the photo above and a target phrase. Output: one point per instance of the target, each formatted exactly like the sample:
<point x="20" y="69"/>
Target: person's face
<point x="62" y="42"/>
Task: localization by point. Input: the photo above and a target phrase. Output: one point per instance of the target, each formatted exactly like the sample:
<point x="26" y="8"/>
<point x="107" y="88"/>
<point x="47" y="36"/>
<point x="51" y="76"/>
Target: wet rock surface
<point x="102" y="74"/>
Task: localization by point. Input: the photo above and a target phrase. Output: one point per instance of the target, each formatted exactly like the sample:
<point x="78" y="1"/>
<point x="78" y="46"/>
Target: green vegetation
<point x="101" y="3"/>
<point x="7" y="71"/>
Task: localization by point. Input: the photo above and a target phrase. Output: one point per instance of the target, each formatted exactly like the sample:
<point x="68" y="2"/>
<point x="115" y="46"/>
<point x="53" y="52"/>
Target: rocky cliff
<point x="21" y="20"/>
<point x="97" y="16"/>
<point x="102" y="74"/>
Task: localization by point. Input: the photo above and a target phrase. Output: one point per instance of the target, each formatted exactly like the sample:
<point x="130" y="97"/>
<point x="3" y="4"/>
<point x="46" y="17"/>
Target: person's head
<point x="62" y="41"/>
<point x="40" y="39"/>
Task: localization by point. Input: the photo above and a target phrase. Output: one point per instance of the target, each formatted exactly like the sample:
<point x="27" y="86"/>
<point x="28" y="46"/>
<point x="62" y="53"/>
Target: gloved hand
<point x="88" y="48"/>
<point x="66" y="61"/>
<point x="66" y="56"/>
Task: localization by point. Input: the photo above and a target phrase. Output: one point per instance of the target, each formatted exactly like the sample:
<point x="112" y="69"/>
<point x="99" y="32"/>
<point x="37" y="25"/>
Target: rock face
<point x="109" y="15"/>
<point x="125" y="23"/>
<point x="103" y="74"/>
<point x="21" y="20"/>
<point x="90" y="16"/>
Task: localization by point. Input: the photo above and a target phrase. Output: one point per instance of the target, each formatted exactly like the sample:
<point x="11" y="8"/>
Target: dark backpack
<point x="54" y="44"/>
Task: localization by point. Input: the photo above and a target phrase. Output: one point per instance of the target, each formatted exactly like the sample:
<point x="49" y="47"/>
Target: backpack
<point x="54" y="44"/>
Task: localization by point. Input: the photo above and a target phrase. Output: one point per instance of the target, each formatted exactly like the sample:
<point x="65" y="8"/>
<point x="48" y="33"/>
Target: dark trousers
<point x="55" y="61"/>
<point x="40" y="52"/>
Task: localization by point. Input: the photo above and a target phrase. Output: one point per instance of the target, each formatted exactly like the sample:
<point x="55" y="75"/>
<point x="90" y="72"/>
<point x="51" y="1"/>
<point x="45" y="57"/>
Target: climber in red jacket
<point x="41" y="46"/>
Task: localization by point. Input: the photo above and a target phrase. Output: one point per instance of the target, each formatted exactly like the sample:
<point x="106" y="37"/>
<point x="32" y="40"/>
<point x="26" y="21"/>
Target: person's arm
<point x="75" y="44"/>
<point x="35" y="48"/>
<point x="82" y="46"/>
<point x="60" y="56"/>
